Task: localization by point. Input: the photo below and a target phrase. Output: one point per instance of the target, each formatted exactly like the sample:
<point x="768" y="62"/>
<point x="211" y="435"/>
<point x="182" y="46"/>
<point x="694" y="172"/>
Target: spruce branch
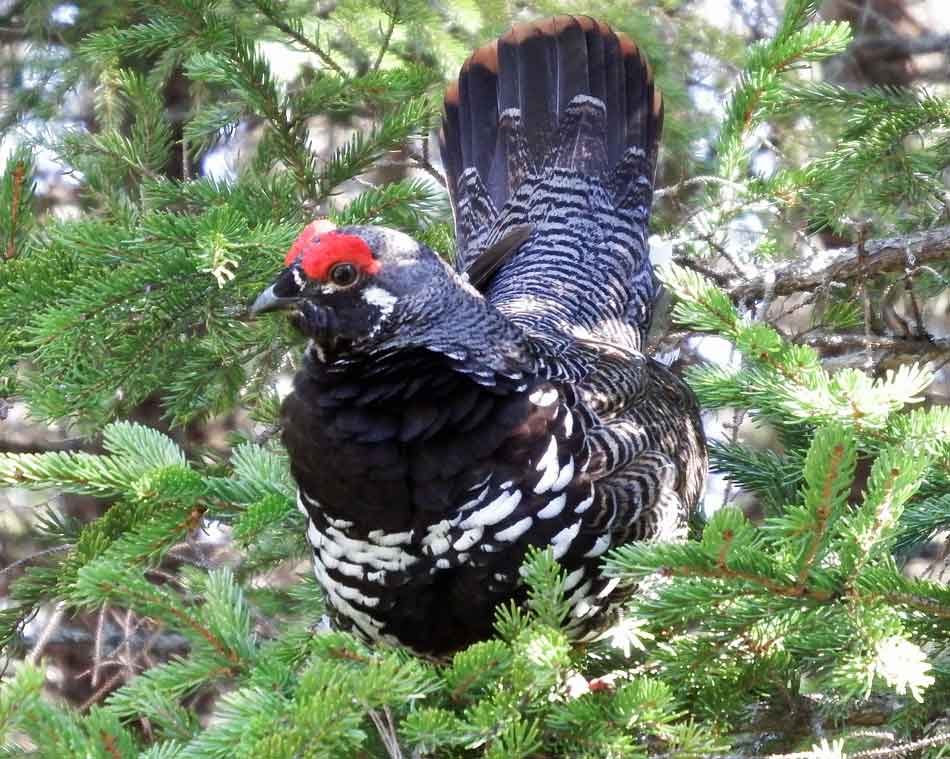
<point x="846" y="265"/>
<point x="294" y="29"/>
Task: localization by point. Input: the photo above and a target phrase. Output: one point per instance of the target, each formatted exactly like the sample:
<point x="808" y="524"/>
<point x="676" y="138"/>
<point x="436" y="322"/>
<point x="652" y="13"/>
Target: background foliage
<point x="802" y="218"/>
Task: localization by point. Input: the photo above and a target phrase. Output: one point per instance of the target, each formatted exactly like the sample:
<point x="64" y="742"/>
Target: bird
<point x="446" y="418"/>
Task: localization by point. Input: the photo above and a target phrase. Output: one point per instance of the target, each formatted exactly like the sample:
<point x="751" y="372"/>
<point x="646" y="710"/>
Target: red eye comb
<point x="320" y="246"/>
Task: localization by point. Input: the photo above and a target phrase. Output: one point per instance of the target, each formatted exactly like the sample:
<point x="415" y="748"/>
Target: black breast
<point x="424" y="489"/>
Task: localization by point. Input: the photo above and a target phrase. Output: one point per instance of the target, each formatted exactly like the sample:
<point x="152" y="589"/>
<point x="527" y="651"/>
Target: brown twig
<point x="18" y="176"/>
<point x="844" y="264"/>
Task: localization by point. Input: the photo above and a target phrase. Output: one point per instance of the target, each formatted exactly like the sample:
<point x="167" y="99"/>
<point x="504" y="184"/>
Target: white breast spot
<point x="549" y="466"/>
<point x="468" y="539"/>
<point x="549" y="457"/>
<point x="438" y="546"/>
<point x="585" y="608"/>
<point x="581" y="594"/>
<point x="573" y="578"/>
<point x="314" y="536"/>
<point x="390" y="538"/>
<point x="562" y="541"/>
<point x="468" y="505"/>
<point x="436" y="539"/>
<point x="609" y="587"/>
<point x="351" y="570"/>
<point x="515" y="531"/>
<point x="600" y="546"/>
<point x="554" y="507"/>
<point x="493" y="512"/>
<point x="565" y="476"/>
<point x="584" y="505"/>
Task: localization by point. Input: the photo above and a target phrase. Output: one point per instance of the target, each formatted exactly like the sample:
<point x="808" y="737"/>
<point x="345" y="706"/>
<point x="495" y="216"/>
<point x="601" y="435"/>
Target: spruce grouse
<point x="447" y="418"/>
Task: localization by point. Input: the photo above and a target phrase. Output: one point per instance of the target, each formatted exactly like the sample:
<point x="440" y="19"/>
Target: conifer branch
<point x="393" y="15"/>
<point x="295" y="32"/>
<point x="846" y="264"/>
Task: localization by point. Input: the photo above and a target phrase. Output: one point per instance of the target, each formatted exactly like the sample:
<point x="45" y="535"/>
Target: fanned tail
<point x="561" y="111"/>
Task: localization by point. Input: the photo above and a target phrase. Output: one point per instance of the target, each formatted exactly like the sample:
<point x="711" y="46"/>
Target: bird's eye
<point x="344" y="275"/>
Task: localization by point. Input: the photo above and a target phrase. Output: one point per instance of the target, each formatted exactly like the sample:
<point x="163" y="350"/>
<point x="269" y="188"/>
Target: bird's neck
<point x="450" y="321"/>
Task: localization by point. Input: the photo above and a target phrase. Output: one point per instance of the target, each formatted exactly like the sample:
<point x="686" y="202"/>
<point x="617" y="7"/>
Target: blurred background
<point x="697" y="47"/>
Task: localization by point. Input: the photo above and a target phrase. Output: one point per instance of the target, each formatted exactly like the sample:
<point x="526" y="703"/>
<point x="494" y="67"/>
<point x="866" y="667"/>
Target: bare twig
<point x="387" y="732"/>
<point x="701" y="180"/>
<point x="305" y="42"/>
<point x="831" y="343"/>
<point x="393" y="20"/>
<point x="422" y="162"/>
<point x="52" y="624"/>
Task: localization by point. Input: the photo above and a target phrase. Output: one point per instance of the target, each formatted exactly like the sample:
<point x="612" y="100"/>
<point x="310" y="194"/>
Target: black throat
<point x="391" y="440"/>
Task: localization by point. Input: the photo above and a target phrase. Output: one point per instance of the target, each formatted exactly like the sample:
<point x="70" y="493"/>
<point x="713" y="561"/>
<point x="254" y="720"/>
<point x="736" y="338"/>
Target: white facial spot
<point x="384" y="300"/>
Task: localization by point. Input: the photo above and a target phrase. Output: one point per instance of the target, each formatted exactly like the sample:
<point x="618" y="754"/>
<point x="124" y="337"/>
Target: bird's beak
<point x="283" y="293"/>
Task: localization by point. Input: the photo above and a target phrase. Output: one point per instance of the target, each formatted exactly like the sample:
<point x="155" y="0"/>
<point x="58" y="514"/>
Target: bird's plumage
<point x="444" y="421"/>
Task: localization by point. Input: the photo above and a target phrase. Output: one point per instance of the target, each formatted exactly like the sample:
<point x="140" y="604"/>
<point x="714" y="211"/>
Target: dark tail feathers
<point x="508" y="116"/>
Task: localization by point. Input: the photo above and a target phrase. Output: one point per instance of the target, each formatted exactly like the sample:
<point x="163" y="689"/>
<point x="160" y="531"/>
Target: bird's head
<point x="354" y="284"/>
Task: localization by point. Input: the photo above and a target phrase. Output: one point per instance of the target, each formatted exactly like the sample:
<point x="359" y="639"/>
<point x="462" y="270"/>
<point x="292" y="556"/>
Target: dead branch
<point x="845" y="264"/>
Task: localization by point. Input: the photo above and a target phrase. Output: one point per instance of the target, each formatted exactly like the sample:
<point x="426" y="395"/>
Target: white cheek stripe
<point x="383" y="300"/>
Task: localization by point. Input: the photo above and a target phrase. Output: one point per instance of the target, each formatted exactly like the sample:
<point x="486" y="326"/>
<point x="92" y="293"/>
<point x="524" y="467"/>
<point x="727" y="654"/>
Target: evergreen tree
<point x="792" y="631"/>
